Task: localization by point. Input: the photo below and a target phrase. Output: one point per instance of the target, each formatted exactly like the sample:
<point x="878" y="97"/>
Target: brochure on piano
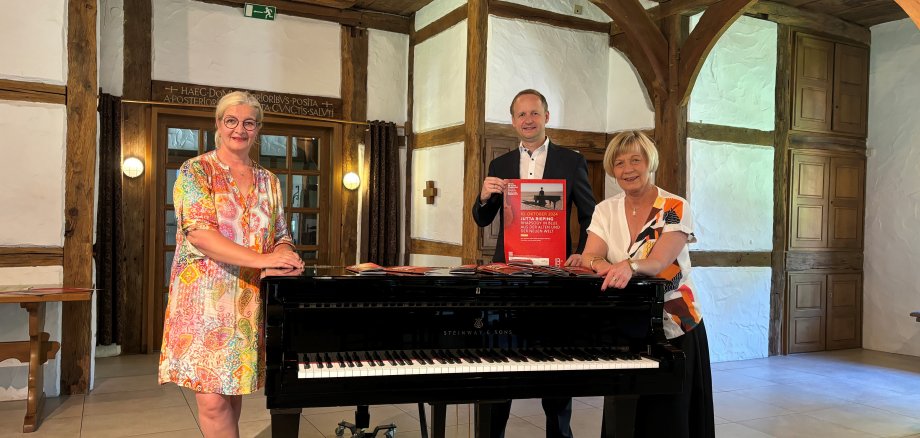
<point x="535" y="221"/>
<point x="505" y="269"/>
<point x="367" y="269"/>
<point x="408" y="270"/>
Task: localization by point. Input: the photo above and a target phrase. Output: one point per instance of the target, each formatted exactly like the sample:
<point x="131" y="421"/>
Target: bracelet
<point x="594" y="259"/>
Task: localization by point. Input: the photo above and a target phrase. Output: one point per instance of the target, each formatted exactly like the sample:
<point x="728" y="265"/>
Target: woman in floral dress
<point x="231" y="225"/>
<point x="645" y="231"/>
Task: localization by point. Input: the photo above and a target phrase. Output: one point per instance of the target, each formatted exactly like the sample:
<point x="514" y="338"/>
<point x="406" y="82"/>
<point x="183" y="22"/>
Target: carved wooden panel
<point x="807" y="295"/>
<point x="851" y="89"/>
<point x="814" y="70"/>
<point x="846" y="202"/>
<point x="809" y="191"/>
<point x="844" y="311"/>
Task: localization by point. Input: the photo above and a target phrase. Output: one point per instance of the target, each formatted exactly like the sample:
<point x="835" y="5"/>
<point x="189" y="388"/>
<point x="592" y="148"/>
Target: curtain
<point x="108" y="251"/>
<point x="382" y="154"/>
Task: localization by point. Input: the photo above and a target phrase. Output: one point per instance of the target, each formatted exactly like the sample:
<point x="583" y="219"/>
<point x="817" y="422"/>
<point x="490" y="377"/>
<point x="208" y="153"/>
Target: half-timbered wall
<point x="730" y="187"/>
<point x="32" y="172"/>
<point x="892" y="243"/>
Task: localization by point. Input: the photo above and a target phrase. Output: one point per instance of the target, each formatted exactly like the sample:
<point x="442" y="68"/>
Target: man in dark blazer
<point x="536" y="158"/>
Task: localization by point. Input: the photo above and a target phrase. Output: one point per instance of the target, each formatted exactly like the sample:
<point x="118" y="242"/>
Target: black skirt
<point x="688" y="414"/>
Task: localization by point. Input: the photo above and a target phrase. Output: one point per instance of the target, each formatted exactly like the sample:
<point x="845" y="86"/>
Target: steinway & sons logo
<point x="477" y="330"/>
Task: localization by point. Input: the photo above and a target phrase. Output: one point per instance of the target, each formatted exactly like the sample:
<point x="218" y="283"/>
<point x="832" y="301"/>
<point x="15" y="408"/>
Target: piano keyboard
<point x="464" y="361"/>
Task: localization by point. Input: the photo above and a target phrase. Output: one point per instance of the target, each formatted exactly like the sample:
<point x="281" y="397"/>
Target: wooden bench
<point x="38" y="349"/>
<point x="916" y="315"/>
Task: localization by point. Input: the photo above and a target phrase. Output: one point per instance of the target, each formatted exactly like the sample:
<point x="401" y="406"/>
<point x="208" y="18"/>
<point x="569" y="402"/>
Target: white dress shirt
<point x="532" y="165"/>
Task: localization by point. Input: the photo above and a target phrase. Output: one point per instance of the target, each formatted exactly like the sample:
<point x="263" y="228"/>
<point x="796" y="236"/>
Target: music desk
<point x="38" y="349"/>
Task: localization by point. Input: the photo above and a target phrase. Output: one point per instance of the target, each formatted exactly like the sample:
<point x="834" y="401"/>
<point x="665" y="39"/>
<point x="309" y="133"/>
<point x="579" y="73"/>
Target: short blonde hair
<point x="627" y="141"/>
<point x="233" y="99"/>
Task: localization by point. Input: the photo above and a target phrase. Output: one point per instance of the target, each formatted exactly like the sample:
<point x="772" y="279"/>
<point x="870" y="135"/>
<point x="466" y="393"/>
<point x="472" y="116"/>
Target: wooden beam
<point x="80" y="164"/>
<point x="714" y="22"/>
<point x="410" y="140"/>
<point x="32" y="92"/>
<point x="783" y="104"/>
<point x="729" y="258"/>
<point x="439" y="137"/>
<point x="506" y="9"/>
<point x="140" y="246"/>
<point x="912" y="7"/>
<point x="651" y="45"/>
<point x="338" y="4"/>
<point x="730" y="134"/>
<point x="477" y="26"/>
<point x="824" y="260"/>
<point x="799" y="140"/>
<point x="354" y="107"/>
<point x="347" y="17"/>
<point x="562" y="137"/>
<point x="21" y="256"/>
<point x="814" y="21"/>
<point x="448" y="21"/>
<point x="671" y="115"/>
<point x="430" y="247"/>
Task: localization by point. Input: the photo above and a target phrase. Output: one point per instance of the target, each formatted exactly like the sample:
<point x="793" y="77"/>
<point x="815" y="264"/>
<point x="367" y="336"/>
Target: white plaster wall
<point x="387" y="76"/>
<point x="443" y="220"/>
<point x="567" y="7"/>
<point x="35" y="41"/>
<point x="32" y="154"/>
<point x="439" y="80"/>
<point x="736" y="85"/>
<point x="14" y="326"/>
<point x="736" y="309"/>
<point x="628" y="104"/>
<point x="569" y="67"/>
<point x="210" y="44"/>
<point x="434" y="10"/>
<point x="892" y="244"/>
<point x="111" y="46"/>
<point x="437" y="261"/>
<point x="730" y="187"/>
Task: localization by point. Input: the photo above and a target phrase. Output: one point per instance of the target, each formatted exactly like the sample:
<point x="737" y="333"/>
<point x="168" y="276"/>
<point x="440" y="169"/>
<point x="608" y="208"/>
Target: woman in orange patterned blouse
<point x="645" y="231"/>
<point x="231" y="225"/>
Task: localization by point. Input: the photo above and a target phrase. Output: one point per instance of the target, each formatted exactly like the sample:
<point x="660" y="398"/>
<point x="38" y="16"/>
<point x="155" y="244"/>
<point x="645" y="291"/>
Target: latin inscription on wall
<point x="281" y="103"/>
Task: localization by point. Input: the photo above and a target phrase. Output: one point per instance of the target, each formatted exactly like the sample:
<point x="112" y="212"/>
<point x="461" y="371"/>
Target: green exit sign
<point x="259" y="11"/>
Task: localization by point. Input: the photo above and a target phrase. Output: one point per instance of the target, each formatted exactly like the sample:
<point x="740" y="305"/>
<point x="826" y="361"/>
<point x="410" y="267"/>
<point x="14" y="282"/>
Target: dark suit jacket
<point x="561" y="163"/>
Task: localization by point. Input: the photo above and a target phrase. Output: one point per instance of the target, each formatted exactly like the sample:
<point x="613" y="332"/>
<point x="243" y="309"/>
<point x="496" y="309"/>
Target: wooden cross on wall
<point x="430" y="192"/>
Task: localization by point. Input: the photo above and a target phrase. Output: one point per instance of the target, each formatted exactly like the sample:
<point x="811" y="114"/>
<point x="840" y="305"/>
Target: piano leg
<point x="285" y="422"/>
<point x="482" y="416"/>
<point x="438" y="420"/>
<point x="619" y="416"/>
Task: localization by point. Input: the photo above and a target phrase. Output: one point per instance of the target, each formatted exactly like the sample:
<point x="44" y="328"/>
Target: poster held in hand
<point x="535" y="221"/>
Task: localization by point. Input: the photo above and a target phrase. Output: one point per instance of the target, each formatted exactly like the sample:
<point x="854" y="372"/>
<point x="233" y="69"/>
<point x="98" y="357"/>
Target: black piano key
<point x="520" y="356"/>
<point x="370" y="360"/>
<point x="304" y="358"/>
<point x="486" y="354"/>
<point x="426" y="357"/>
<point x="340" y="359"/>
<point x="378" y="358"/>
<point x="418" y="357"/>
<point x="453" y="357"/>
<point x="328" y="360"/>
<point x="406" y="358"/>
<point x="438" y="356"/>
<point x="473" y="357"/>
<point x="389" y="358"/>
<point x="355" y="359"/>
<point x="500" y="357"/>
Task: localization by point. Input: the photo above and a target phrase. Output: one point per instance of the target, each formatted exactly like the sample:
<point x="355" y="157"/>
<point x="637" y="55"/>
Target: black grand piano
<point x="338" y="339"/>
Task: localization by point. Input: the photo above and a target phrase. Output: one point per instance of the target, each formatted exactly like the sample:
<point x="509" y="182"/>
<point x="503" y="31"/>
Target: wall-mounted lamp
<point x="132" y="167"/>
<point x="351" y="181"/>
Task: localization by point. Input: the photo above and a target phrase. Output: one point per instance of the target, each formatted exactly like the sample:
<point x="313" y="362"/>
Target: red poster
<point x="535" y="221"/>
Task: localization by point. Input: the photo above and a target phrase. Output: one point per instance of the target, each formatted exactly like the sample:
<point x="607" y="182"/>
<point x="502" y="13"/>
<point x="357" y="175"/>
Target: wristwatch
<point x="634" y="265"/>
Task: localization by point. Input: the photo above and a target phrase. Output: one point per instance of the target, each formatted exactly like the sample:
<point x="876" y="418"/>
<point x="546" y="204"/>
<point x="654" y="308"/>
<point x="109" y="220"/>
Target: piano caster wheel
<point x="340" y="431"/>
<point x="390" y="433"/>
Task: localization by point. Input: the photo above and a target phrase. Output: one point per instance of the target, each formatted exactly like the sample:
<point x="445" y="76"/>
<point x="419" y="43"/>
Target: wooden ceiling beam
<point x="792" y="16"/>
<point x="362" y="19"/>
<point x="338" y="4"/>
<point x="650" y="44"/>
<point x="912" y="7"/>
<point x="714" y="22"/>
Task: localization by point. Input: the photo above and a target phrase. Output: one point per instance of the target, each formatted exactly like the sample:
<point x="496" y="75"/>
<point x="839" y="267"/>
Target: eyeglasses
<point x="248" y="124"/>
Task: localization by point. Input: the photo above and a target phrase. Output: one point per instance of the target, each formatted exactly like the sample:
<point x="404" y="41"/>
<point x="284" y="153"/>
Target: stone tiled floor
<point x="851" y="393"/>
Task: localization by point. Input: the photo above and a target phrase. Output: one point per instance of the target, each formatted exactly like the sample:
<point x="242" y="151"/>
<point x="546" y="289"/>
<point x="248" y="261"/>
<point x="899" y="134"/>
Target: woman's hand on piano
<point x="281" y="272"/>
<point x="616" y="275"/>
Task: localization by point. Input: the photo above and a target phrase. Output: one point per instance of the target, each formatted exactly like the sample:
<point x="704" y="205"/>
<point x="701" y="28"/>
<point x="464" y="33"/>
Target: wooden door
<point x="595" y="159"/>
<point x="813" y="82"/>
<point x="809" y="201"/>
<point x="807" y="304"/>
<point x="844" y="311"/>
<point x="846" y="202"/>
<point x="851" y="89"/>
<point x="494" y="148"/>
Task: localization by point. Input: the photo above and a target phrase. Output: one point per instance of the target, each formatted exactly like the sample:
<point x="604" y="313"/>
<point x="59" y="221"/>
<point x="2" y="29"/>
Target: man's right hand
<point x="491" y="185"/>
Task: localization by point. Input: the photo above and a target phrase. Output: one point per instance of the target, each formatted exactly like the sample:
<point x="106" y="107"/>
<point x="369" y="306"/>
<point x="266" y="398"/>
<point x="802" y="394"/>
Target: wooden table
<point x="38" y="349"/>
